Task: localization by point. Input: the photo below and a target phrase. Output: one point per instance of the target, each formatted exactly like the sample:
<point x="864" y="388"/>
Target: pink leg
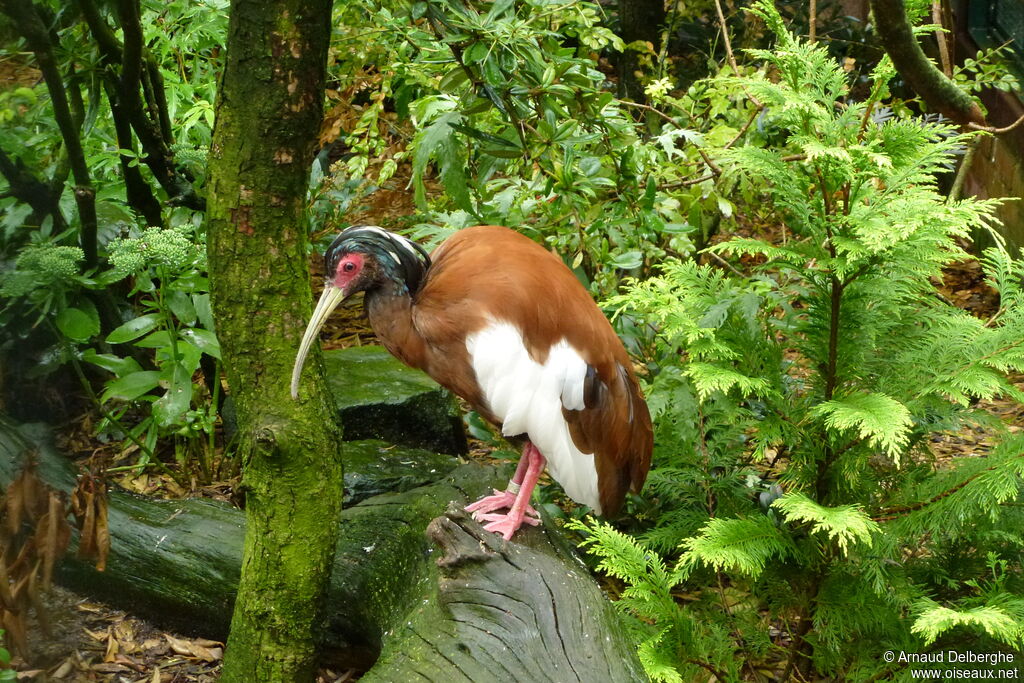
<point x="505" y="499"/>
<point x="507" y="524"/>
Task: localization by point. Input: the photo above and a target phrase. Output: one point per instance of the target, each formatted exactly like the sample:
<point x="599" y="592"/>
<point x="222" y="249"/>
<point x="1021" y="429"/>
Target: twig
<point x="654" y="110"/>
<point x="745" y="128"/>
<point x="724" y="263"/>
<point x="725" y="38"/>
<point x="961" y="173"/>
<point x="715" y="169"/>
<point x="812" y="22"/>
<point x="940" y="38"/>
<point x="728" y="50"/>
<point x="996" y="131"/>
<point x="687" y="183"/>
<point x="899" y="510"/>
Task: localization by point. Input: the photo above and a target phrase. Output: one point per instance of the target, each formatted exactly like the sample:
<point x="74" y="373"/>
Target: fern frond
<point x="845" y="524"/>
<point x="1002" y="619"/>
<point x="657" y="662"/>
<point x="881" y="420"/>
<point x="709" y="378"/>
<point x="738" y="545"/>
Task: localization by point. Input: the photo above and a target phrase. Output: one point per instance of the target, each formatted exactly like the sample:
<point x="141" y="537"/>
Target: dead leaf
<point x="88" y="607"/>
<point x="52" y="536"/>
<point x="152" y="644"/>
<point x="64" y="669"/>
<point x="99" y="636"/>
<point x="193" y="649"/>
<point x="113" y="647"/>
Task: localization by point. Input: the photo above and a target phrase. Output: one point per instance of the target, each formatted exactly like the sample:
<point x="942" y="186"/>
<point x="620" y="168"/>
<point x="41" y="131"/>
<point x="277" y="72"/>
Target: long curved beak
<point x="329" y="300"/>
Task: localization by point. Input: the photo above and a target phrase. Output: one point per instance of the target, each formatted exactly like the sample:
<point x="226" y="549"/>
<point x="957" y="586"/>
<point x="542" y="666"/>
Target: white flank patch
<point x="528" y="398"/>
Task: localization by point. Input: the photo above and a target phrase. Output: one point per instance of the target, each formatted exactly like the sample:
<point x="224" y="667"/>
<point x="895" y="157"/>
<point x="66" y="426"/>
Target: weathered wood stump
<point x="487" y="609"/>
<point x="526" y="610"/>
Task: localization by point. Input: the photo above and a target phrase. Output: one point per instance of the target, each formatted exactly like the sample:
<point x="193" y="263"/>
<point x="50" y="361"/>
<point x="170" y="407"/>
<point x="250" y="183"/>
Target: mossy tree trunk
<point x="268" y="112"/>
<point x="940" y="92"/>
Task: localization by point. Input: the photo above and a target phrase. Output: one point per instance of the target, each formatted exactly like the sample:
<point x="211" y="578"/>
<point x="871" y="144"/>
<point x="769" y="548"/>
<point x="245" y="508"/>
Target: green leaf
<point x="204" y="312"/>
<point x="131" y="386"/>
<point x="170" y="408"/>
<point x="427" y="143"/>
<point x="158" y="340"/>
<point x="628" y="260"/>
<point x="134" y="328"/>
<point x="204" y="340"/>
<point x="108" y="361"/>
<point x="77" y="324"/>
<point x="995" y="620"/>
<point x="181" y="306"/>
<point x="498" y="7"/>
<point x="484" y="136"/>
<point x="843" y="524"/>
<point x="708" y="378"/>
<point x="883" y="421"/>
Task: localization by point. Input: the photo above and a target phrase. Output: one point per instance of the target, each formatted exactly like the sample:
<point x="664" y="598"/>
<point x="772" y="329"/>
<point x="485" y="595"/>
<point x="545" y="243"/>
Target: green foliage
<point x="796" y="402"/>
<point x="743" y="546"/>
<point x="519" y="128"/>
<point x="843" y="525"/>
<point x="6" y="673"/>
<point x="167" y="268"/>
<point x="150" y="278"/>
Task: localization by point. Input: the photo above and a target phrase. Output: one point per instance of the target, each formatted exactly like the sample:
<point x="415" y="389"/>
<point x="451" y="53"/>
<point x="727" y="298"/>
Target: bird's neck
<point x="389" y="308"/>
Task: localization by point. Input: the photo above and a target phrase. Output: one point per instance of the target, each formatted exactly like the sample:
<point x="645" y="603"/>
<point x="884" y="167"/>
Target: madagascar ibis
<point x="503" y="323"/>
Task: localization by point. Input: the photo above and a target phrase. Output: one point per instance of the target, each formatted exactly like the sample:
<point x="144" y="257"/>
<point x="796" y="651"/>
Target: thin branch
<point x="941" y="37"/>
<point x="957" y="189"/>
<point x="725" y="38"/>
<point x="687" y="183"/>
<point x="150" y="130"/>
<point x="746" y="127"/>
<point x="996" y="131"/>
<point x="812" y="22"/>
<point x="900" y="510"/>
<point x="26" y="188"/>
<point x="728" y="50"/>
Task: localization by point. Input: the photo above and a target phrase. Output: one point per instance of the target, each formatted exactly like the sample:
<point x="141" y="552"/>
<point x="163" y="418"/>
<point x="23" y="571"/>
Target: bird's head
<point x="362" y="258"/>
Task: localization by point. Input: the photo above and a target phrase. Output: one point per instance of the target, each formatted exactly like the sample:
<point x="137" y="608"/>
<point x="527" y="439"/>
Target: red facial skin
<point x="348" y="270"/>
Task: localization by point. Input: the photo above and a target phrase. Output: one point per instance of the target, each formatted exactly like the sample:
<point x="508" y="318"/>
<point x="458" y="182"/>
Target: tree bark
<point x="939" y="92"/>
<point x="268" y="112"/>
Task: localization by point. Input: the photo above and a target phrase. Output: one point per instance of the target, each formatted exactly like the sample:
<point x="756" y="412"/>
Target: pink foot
<point x="499" y="501"/>
<point x="506" y="525"/>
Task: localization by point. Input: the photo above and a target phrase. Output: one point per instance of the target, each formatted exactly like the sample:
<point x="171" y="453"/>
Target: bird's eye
<point x="349" y="267"/>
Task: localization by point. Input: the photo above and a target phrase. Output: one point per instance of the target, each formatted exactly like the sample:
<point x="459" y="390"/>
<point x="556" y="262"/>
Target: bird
<point x="503" y="323"/>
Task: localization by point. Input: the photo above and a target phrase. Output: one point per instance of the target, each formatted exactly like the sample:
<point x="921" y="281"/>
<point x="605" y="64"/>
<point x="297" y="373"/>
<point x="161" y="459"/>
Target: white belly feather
<point x="528" y="398"/>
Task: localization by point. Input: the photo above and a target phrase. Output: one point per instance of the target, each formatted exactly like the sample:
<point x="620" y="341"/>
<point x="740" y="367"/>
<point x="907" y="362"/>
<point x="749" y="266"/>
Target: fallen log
<point x="521" y="611"/>
<point x="494" y="610"/>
